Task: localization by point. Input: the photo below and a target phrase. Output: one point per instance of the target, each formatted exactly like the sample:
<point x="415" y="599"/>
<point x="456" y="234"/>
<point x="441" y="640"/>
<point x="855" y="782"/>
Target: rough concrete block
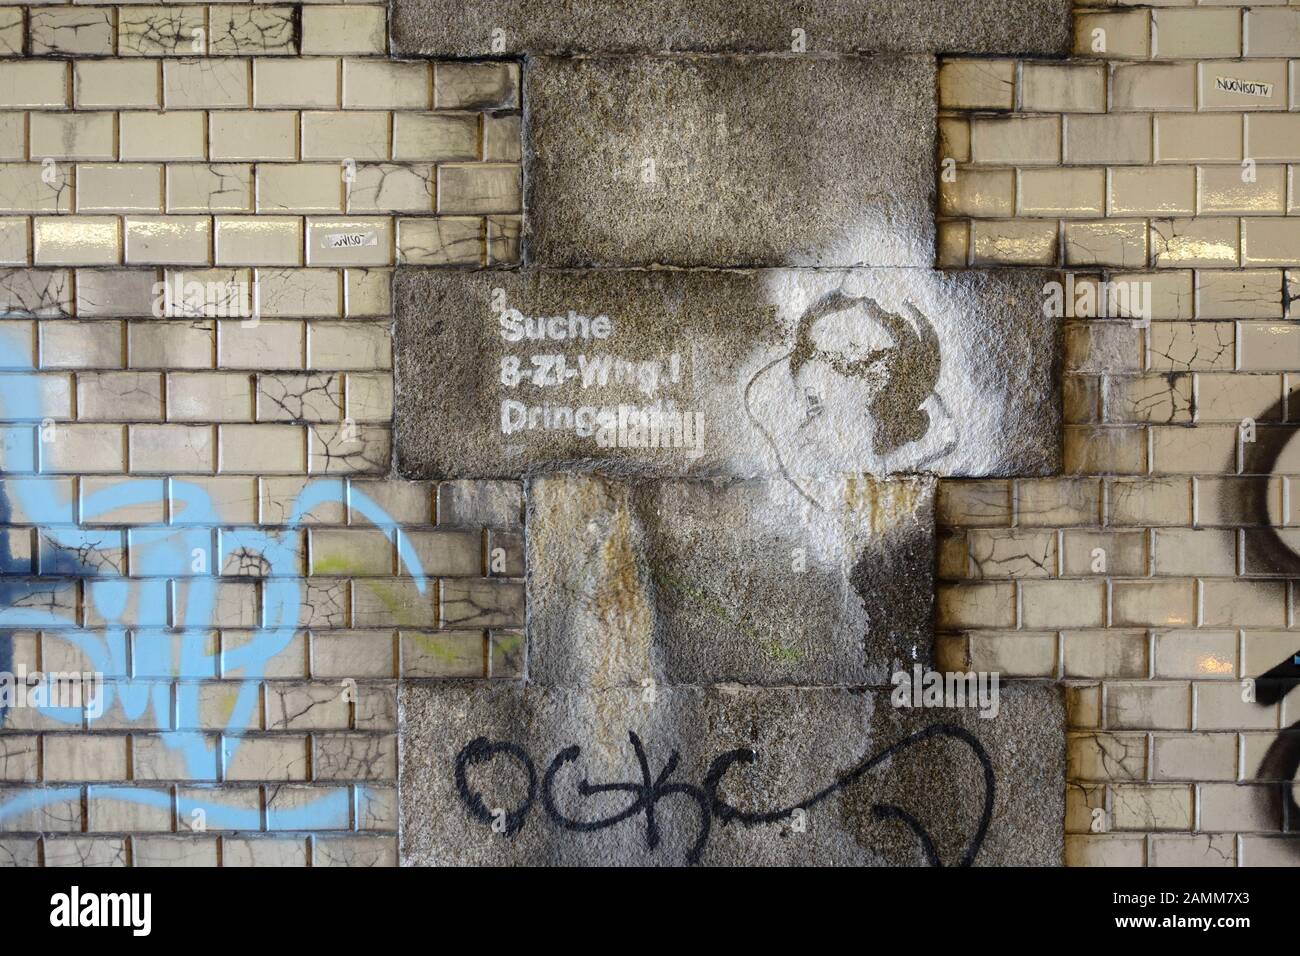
<point x="456" y="28"/>
<point x="769" y="373"/>
<point x="721" y="161"/>
<point x="726" y="772"/>
<point x="701" y="582"/>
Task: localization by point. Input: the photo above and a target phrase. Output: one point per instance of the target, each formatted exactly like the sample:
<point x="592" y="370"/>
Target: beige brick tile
<point x="269" y="344"/>
<point x="952" y="245"/>
<point x="432" y="654"/>
<point x="206" y="397"/>
<point x="370" y="398"/>
<point x="1272" y="32"/>
<point x="1195" y="242"/>
<point x="1110" y="451"/>
<point x="173" y="851"/>
<point x="479" y="188"/>
<point x="76" y="240"/>
<point x="405" y="502"/>
<point x="262" y="449"/>
<point x="343" y="29"/>
<point x="23" y="190"/>
<point x="12" y="31"/>
<point x="18" y="758"/>
<point x="503" y="233"/>
<point x="1105" y="654"/>
<point x="1196" y="33"/>
<point x="503" y="138"/>
<point x="383" y="84"/>
<point x="91" y="449"/>
<point x="1010" y="241"/>
<point x="1149" y="398"/>
<point x="390" y="187"/>
<point x="1268" y="346"/>
<point x="132" y="84"/>
<point x="178" y="240"/>
<point x="1012" y="553"/>
<point x="348" y="345"/>
<point x="361" y="552"/>
<point x="264" y="851"/>
<point x="289" y="397"/>
<point x="1243" y="603"/>
<point x="169" y="344"/>
<point x="1256" y="294"/>
<point x="82" y="757"/>
<point x="1264" y="650"/>
<point x="119" y="396"/>
<point x="211" y="187"/>
<point x="1206" y="449"/>
<point x="976" y="605"/>
<point x="1153" y="191"/>
<point x="1152" y="807"/>
<point x="14" y="248"/>
<point x="355" y="136"/>
<point x="977" y="84"/>
<point x="71" y="31"/>
<point x="1122" y="553"/>
<point x="172" y="449"/>
<point x="1273" y="137"/>
<point x="1063" y="604"/>
<point x="1153" y="86"/>
<point x="349" y="241"/>
<point x="160" y="31"/>
<point x="980" y="193"/>
<point x="244" y="29"/>
<point x="163" y="135"/>
<point x="481" y="603"/>
<point x="1269" y="850"/>
<point x="437" y="137"/>
<point x="1106" y="757"/>
<point x="1113" y="35"/>
<point x="34" y="84"/>
<point x="1243" y="85"/>
<point x="1063" y="88"/>
<point x="1233" y="807"/>
<point x="446" y="240"/>
<point x="458" y="86"/>
<point x="1114" y="138"/>
<point x="1229" y="189"/>
<point x="1183" y="551"/>
<point x="1220" y="501"/>
<point x="356" y="654"/>
<point x="1018" y="140"/>
<point x="280" y="758"/>
<point x="299" y="292"/>
<point x="1148" y="705"/>
<point x="1153" y="603"/>
<point x="1199" y="138"/>
<point x="307" y="83"/>
<point x="259" y="240"/>
<point x="13" y="136"/>
<point x="1111" y="242"/>
<point x="973" y="503"/>
<point x="270" y="135"/>
<point x="114" y="187"/>
<point x="1270" y="242"/>
<point x="1105" y="850"/>
<point x="1056" y="503"/>
<point x="348" y="450"/>
<point x="1235" y="397"/>
<point x="88" y="135"/>
<point x="1196" y="653"/>
<point x="1062" y="193"/>
<point x="206" y="84"/>
<point x="82" y="851"/>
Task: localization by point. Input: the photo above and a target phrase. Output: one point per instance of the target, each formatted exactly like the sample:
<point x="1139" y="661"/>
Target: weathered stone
<point x="456" y="28"/>
<point x="796" y="373"/>
<point x="701" y="582"/>
<point x="807" y="740"/>
<point x="719" y="161"/>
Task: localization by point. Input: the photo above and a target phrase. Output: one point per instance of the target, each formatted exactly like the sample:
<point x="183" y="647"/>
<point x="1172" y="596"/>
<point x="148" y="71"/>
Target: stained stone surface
<point x="700" y="582"/>
<point x="805" y="740"/>
<point x="730" y="162"/>
<point x="456" y="28"/>
<point x="768" y="373"/>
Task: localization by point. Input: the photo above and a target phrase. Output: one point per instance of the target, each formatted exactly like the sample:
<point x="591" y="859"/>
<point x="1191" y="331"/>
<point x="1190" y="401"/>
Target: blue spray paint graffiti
<point x="163" y="557"/>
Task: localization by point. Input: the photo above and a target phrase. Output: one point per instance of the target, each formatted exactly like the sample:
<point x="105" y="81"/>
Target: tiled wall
<point x="1147" y="579"/>
<point x="198" y="492"/>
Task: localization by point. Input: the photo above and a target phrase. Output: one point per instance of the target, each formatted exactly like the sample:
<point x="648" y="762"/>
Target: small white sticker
<point x="349" y="240"/>
<point x="1230" y="84"/>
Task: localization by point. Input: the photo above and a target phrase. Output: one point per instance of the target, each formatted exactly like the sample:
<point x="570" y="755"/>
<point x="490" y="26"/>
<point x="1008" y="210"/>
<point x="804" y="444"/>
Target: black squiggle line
<point x="648" y="792"/>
